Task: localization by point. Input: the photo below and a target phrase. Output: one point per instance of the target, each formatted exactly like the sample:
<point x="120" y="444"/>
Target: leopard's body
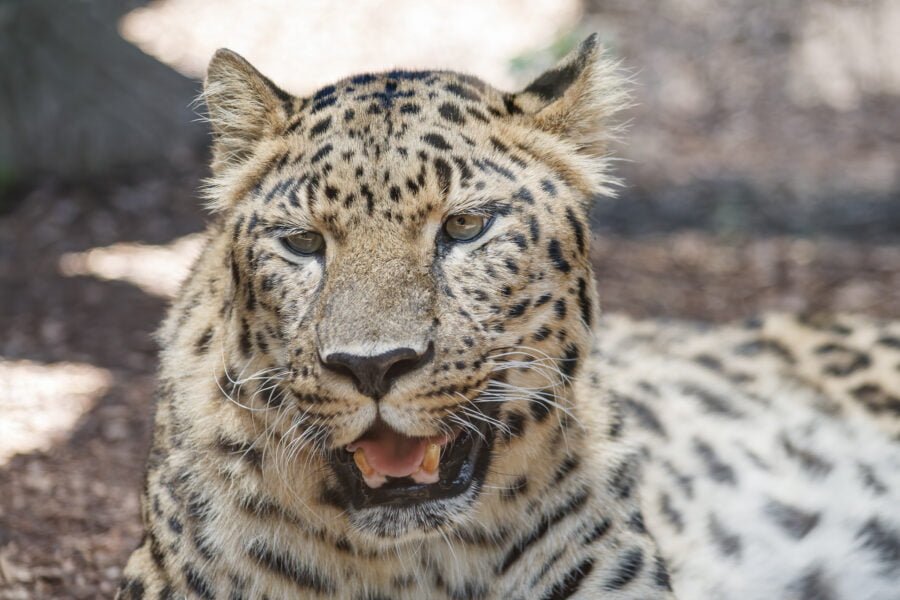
<point x="756" y="464"/>
<point x="771" y="454"/>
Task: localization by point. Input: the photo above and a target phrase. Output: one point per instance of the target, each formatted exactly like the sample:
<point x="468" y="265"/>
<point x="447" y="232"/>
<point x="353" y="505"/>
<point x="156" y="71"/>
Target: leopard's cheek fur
<point x="506" y="302"/>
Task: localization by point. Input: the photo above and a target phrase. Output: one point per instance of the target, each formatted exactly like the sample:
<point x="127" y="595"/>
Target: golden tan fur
<point x="243" y="499"/>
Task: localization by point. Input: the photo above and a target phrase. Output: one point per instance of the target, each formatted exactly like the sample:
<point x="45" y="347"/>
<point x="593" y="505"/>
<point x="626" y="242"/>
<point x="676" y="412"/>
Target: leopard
<point x="387" y="375"/>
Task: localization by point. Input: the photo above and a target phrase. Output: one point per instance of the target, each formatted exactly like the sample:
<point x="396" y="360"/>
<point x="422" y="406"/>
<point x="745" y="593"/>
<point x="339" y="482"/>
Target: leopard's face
<point x="409" y="253"/>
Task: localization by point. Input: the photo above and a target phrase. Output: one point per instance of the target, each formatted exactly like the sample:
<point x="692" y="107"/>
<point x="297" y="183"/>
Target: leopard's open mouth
<point x="387" y="468"/>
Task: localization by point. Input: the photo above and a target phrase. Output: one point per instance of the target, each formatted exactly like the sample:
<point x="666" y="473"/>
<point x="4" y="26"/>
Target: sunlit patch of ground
<point x="157" y="270"/>
<point x="40" y="403"/>
<point x="303" y="45"/>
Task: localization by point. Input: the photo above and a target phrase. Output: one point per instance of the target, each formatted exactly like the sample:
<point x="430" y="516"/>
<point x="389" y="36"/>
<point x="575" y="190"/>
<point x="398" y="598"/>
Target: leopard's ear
<point x="244" y="108"/>
<point x="578" y="98"/>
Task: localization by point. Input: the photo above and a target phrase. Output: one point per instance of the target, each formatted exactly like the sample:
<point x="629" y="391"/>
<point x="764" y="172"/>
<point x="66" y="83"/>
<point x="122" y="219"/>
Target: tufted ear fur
<point x="577" y="98"/>
<point x="244" y="108"/>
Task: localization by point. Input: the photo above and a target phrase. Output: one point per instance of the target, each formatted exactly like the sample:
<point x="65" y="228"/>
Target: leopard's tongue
<point x="391" y="453"/>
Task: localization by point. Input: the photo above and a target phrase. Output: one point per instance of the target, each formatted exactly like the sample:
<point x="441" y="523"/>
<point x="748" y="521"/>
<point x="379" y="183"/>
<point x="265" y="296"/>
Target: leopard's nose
<point x="375" y="374"/>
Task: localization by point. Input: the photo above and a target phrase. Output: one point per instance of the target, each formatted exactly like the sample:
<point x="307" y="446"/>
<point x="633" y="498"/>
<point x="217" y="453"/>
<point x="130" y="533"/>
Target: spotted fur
<point x="766" y="473"/>
<point x="241" y="500"/>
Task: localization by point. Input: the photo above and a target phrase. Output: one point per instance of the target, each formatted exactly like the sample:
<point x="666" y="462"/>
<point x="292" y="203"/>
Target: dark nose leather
<point x="374" y="375"/>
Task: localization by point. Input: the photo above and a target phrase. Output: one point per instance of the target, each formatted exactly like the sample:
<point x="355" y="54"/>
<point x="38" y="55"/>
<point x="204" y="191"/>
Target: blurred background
<point x="761" y="173"/>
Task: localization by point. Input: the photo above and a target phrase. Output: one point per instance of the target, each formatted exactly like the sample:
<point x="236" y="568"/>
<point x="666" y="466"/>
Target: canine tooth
<point x="432" y="458"/>
<point x="359" y="457"/>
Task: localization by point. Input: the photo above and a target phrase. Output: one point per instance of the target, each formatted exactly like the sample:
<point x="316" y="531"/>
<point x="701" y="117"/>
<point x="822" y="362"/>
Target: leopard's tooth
<point x="432" y="458"/>
<point x="359" y="457"/>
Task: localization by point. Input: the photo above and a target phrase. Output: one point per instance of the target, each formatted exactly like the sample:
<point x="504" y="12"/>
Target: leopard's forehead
<point x="408" y="92"/>
<point x="379" y="109"/>
<point x="395" y="148"/>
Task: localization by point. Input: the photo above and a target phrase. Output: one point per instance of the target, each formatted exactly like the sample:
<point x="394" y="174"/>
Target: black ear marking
<point x="554" y="83"/>
<point x="286" y="99"/>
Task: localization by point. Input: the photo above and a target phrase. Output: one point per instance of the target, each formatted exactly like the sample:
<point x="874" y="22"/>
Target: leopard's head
<point x="409" y="253"/>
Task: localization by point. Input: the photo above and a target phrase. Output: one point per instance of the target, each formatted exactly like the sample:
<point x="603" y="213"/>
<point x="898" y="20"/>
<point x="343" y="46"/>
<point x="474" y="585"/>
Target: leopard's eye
<point x="304" y="243"/>
<point x="465" y="227"/>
